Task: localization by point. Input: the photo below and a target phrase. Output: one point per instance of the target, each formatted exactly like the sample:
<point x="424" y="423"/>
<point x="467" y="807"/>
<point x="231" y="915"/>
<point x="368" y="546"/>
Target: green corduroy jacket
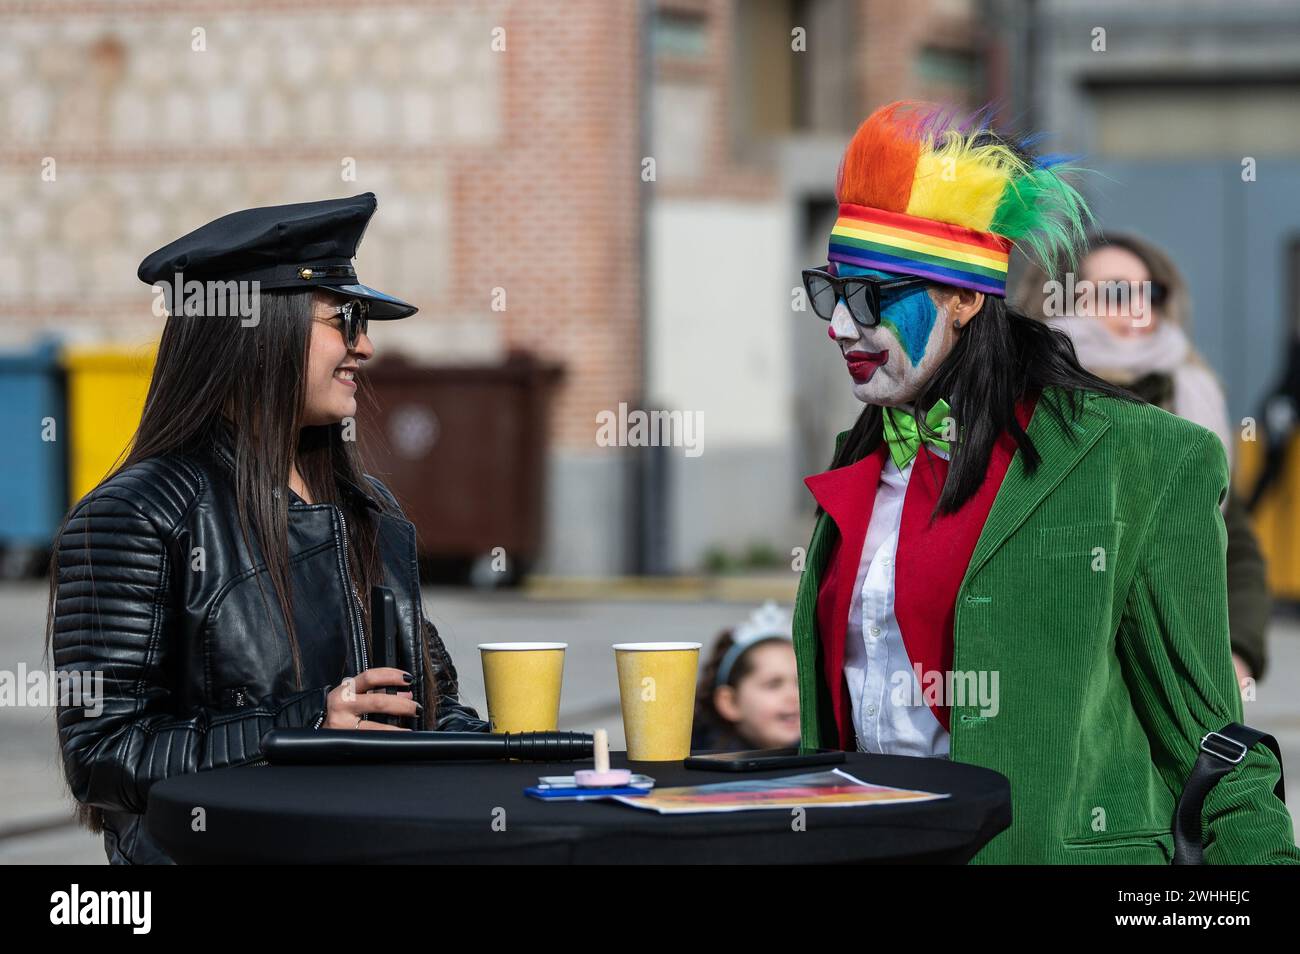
<point x="1109" y="670"/>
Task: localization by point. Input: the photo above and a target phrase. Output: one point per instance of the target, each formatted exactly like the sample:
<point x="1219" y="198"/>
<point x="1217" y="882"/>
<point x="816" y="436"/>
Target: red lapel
<point x="930" y="562"/>
<point x="933" y="556"/>
<point x="847" y="494"/>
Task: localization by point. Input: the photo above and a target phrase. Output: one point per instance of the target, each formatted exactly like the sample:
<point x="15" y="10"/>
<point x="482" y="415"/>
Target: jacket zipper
<point x="358" y="630"/>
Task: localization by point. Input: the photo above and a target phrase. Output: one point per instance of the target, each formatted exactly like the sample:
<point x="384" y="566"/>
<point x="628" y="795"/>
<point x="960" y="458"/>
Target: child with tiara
<point x="748" y="697"/>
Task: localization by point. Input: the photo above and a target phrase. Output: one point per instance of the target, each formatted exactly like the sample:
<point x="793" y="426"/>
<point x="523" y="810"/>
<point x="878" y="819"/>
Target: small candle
<point x="601" y="776"/>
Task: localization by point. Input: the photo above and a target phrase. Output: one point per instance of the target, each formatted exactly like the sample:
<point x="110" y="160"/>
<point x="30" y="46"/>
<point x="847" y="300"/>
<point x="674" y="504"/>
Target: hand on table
<point x="359" y="695"/>
<point x="1244" y="673"/>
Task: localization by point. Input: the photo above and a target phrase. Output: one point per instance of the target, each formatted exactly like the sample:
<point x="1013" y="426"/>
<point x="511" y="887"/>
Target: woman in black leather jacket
<point x="217" y="581"/>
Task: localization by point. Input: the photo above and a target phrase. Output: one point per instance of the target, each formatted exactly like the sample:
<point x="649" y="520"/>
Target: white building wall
<point x="718" y="344"/>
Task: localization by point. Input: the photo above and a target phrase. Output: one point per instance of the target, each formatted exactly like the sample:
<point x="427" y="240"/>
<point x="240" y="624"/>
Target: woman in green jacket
<point x="1015" y="564"/>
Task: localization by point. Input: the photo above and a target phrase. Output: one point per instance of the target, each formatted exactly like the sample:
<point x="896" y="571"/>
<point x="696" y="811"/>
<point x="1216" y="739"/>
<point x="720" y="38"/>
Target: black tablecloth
<point x="444" y="813"/>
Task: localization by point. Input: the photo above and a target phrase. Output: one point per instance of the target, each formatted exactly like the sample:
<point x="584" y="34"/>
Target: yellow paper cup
<point x="656" y="683"/>
<point x="523" y="685"/>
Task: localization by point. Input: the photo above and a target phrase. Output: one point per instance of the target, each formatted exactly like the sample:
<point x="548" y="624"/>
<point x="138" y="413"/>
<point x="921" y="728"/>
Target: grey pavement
<point x="35" y="810"/>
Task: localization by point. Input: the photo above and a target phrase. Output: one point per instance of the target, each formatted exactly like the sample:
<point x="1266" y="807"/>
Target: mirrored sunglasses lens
<point x="859" y="302"/>
<point x="354" y="321"/>
<point x="821" y="294"/>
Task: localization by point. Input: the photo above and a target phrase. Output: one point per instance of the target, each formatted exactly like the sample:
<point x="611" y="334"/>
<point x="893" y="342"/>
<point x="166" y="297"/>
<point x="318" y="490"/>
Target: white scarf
<point x="1162" y="350"/>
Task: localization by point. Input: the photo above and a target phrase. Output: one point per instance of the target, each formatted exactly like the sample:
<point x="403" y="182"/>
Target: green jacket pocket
<point x="1123" y="848"/>
<point x="1088" y="540"/>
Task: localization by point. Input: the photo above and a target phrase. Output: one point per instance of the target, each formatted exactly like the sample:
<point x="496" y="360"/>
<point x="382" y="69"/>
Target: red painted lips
<point x="863" y="364"/>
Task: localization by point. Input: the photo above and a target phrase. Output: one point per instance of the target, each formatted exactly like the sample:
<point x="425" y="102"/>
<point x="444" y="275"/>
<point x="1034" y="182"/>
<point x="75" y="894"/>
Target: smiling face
<point x="1112" y="268"/>
<point x="331" y="367"/>
<point x="763" y="706"/>
<point x="891" y="363"/>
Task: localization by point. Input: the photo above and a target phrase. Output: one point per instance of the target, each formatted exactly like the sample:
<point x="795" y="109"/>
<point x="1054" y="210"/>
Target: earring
<point x="956" y="323"/>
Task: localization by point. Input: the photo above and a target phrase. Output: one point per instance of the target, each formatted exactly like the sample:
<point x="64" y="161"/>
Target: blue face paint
<point x="909" y="312"/>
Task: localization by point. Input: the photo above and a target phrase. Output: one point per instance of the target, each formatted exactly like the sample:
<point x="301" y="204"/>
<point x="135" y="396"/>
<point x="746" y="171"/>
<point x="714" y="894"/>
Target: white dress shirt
<point x="874" y="652"/>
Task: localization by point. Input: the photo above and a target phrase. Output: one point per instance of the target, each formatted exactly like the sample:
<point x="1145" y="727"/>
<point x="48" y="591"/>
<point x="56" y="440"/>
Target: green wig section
<point x="1044" y="215"/>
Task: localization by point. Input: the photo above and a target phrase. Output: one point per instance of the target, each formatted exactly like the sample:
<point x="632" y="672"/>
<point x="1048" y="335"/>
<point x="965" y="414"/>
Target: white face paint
<point x="891" y="363"/>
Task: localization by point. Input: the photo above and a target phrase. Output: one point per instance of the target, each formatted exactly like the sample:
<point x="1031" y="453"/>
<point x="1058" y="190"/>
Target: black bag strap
<point x="1220" y="753"/>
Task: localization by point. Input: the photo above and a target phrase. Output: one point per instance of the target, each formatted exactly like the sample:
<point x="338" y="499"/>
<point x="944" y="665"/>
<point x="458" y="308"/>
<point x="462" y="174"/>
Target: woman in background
<point x="1142" y="346"/>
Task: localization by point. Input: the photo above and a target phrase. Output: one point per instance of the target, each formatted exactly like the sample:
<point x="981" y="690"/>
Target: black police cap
<point x="304" y="245"/>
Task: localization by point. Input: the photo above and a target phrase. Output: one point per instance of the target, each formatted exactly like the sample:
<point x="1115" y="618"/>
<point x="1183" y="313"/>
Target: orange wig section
<point x="880" y="162"/>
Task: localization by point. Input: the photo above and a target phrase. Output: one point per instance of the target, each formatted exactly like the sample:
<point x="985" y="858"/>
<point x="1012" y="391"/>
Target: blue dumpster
<point x="33" y="435"/>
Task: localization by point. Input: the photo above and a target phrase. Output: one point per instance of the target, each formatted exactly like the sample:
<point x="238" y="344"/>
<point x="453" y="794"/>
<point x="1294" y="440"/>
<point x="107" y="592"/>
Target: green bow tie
<point x="903" y="436"/>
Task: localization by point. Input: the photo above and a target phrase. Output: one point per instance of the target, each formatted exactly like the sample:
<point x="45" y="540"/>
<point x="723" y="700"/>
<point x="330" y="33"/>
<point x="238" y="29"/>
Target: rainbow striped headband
<point x="897" y="242"/>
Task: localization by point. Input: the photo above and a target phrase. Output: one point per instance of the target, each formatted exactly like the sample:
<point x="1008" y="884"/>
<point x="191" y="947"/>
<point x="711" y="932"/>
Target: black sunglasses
<point x="356" y="320"/>
<point x="860" y="293"/>
<point x="1159" y="291"/>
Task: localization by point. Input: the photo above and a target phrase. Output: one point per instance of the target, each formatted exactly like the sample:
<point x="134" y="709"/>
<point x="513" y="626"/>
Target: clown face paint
<point x="890" y="363"/>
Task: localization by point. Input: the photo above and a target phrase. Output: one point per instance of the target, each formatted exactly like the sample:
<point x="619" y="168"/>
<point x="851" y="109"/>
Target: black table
<point x="445" y="812"/>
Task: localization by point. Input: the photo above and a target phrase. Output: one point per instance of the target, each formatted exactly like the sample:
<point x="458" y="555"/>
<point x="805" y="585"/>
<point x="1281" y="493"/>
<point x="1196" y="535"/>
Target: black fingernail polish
<point x="420" y="707"/>
<point x="408" y="678"/>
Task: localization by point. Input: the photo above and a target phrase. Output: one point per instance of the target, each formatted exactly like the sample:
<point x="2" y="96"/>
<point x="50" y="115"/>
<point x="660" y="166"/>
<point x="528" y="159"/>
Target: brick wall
<point x="516" y="169"/>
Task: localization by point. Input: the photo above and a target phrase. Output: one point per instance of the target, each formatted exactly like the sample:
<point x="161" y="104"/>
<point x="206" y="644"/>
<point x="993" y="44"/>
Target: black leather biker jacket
<point x="157" y="591"/>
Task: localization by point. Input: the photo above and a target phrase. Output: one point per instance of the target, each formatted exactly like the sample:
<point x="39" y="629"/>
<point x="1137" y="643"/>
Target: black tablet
<point x="760" y="760"/>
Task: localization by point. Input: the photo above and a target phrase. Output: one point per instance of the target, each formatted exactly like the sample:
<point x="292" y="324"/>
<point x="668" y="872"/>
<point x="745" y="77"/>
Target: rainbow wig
<point x="924" y="193"/>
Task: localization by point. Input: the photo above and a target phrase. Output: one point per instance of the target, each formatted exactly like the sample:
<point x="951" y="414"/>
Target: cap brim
<point x="382" y="307"/>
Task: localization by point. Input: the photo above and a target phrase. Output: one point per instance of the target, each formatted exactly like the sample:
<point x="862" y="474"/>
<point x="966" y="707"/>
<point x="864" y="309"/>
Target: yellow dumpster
<point x="106" y="391"/>
<point x="1277" y="517"/>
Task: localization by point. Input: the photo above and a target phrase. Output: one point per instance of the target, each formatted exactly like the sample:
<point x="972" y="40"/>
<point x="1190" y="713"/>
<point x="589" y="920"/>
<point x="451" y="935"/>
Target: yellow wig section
<point x="961" y="183"/>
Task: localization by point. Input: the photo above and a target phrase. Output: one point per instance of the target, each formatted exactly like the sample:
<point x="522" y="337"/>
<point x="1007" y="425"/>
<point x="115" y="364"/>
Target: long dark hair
<point x="1000" y="356"/>
<point x="212" y="376"/>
